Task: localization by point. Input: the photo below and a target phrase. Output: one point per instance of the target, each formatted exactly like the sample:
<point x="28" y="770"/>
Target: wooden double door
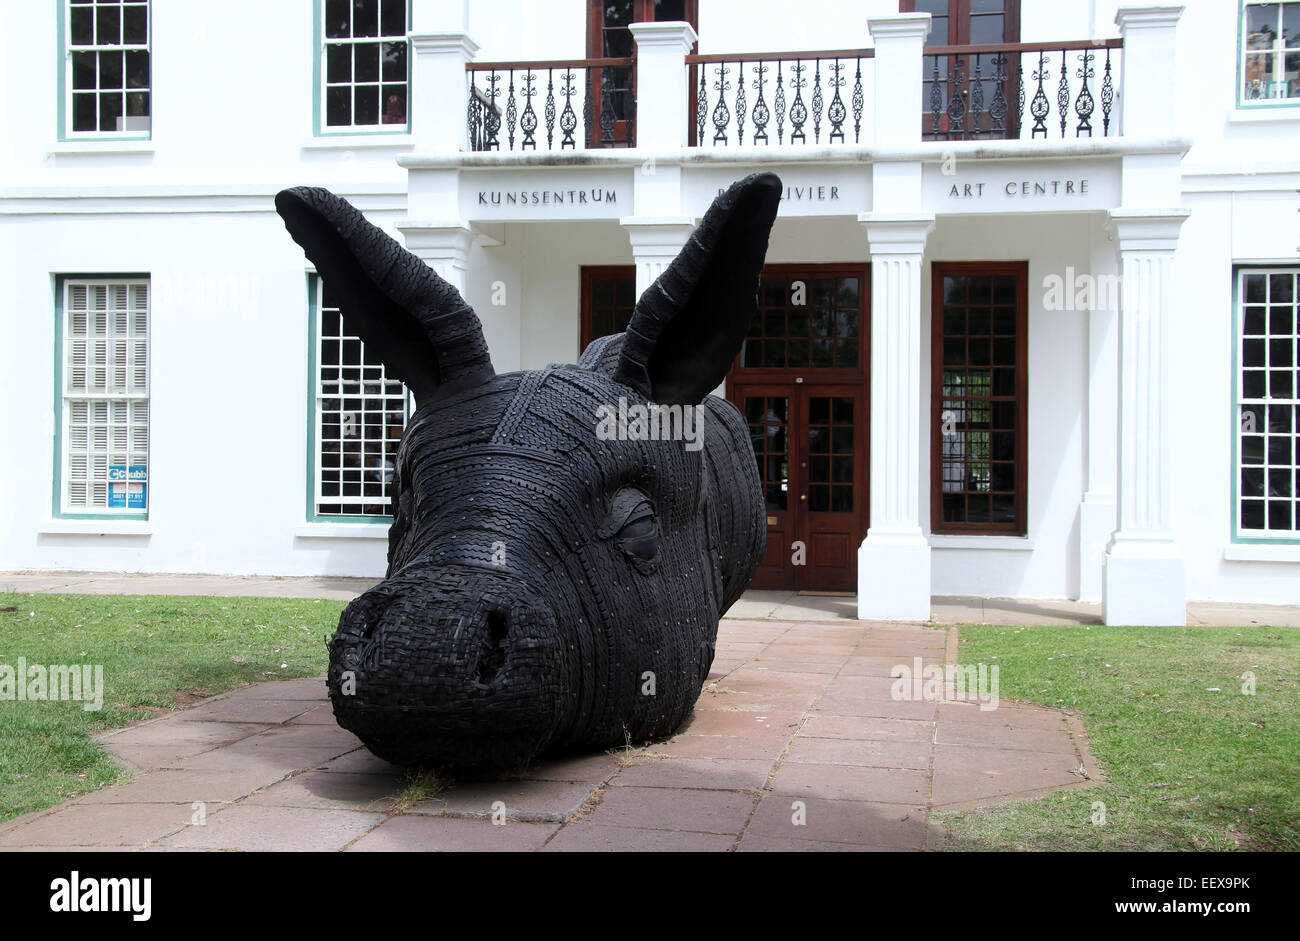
<point x="800" y="381"/>
<point x="801" y="384"/>
<point x="810" y="444"/>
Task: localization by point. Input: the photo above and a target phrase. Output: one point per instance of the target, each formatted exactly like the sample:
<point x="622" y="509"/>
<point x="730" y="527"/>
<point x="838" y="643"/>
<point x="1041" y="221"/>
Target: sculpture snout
<point x="449" y="664"/>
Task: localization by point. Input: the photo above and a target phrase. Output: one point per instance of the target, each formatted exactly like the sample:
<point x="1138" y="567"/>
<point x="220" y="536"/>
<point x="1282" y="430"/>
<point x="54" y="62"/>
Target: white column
<point x="1144" y="581"/>
<point x="1097" y="509"/>
<point x="661" y="84"/>
<point x="655" y="243"/>
<point x="438" y="101"/>
<point x="894" y="559"/>
<point x="445" y="248"/>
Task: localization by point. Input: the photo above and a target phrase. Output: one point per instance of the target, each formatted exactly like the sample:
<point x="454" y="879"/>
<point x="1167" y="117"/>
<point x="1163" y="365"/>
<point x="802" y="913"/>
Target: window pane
<point x="1262" y="24"/>
<point x="1291" y="25"/>
<point x="987" y="29"/>
<point x="110" y="69"/>
<point x="135" y="24"/>
<point x="338" y="19"/>
<point x="83" y="112"/>
<point x="81" y="26"/>
<point x="137" y="69"/>
<point x="110" y="110"/>
<point x="394" y="104"/>
<point x="393" y="18"/>
<point x="108" y="25"/>
<point x="394" y="61"/>
<point x="670" y="10"/>
<point x="338" y="64"/>
<point x="83" y="70"/>
<point x="137" y="106"/>
<point x="365" y="17"/>
<point x="366" y="62"/>
<point x="338" y="106"/>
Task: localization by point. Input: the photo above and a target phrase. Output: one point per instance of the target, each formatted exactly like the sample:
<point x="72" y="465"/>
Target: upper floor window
<point x="364" y="65"/>
<point x="106" y="77"/>
<point x="1270" y="52"/>
<point x="1268" y="403"/>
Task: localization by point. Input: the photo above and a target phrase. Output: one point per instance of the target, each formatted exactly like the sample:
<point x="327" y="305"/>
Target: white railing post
<point x="439" y="96"/>
<point x="896" y="113"/>
<point x="1147" y="70"/>
<point x="661" y="84"/>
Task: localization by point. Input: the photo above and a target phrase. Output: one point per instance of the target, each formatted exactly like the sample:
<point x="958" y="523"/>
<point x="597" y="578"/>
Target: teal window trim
<point x="56" y="504"/>
<point x="1293" y="537"/>
<point x="319" y="127"/>
<point x="313" y="416"/>
<point x="1253" y="104"/>
<point x="64" y="61"/>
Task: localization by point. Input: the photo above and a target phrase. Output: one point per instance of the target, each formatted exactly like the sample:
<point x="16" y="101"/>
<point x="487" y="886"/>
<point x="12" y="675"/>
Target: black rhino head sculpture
<point x="556" y="568"/>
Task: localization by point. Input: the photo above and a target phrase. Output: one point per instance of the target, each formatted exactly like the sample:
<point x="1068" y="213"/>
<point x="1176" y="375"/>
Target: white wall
<point x="228" y="390"/>
<point x="1056" y="407"/>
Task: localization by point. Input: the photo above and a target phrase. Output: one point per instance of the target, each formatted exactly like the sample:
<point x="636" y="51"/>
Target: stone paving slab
<point x="796" y="744"/>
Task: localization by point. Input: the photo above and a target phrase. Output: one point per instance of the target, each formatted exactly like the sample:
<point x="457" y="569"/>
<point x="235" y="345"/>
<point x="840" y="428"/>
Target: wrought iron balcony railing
<point x="981" y="92"/>
<point x="1008" y="91"/>
<point x="778" y="98"/>
<point x="583" y="104"/>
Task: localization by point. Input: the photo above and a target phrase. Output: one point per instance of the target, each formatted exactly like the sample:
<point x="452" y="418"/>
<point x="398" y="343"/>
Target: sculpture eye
<point x="639" y="536"/>
<point x="634" y="528"/>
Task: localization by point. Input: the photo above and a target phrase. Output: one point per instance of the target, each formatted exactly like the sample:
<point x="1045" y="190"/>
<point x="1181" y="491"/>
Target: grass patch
<point x="419" y="786"/>
<point x="1191" y="761"/>
<point x="158" y="653"/>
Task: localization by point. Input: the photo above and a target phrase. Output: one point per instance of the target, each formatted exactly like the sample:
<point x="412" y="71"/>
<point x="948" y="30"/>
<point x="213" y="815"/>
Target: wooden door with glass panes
<point x="800" y="383"/>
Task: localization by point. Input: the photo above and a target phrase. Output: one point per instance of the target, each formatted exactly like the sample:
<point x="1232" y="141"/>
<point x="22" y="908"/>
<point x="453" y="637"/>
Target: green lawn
<point x="158" y="652"/>
<point x="1192" y="762"/>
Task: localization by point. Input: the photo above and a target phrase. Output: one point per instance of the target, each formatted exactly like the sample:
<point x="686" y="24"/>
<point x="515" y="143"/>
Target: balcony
<point x="1069" y="89"/>
<point x="981" y="92"/>
<point x="895" y="128"/>
<point x="584" y="103"/>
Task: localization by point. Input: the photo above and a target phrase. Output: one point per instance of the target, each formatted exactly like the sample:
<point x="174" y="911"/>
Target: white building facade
<point x="1028" y="328"/>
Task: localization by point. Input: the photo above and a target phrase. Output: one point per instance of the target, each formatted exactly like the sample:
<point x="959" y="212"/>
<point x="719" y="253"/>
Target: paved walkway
<point x="796" y="744"/>
<point x="776" y="605"/>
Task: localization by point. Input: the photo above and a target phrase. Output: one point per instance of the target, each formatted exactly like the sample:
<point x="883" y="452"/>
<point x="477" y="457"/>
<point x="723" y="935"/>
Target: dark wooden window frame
<point x="959" y="35"/>
<point x="959" y="21"/>
<point x="643" y="11"/>
<point x="590" y="273"/>
<point x="938" y="271"/>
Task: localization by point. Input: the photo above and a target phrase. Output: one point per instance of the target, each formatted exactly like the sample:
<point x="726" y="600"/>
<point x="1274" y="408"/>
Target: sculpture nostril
<point x="492" y="655"/>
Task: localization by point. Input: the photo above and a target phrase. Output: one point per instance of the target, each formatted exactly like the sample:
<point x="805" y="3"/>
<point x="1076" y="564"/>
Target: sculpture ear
<point x="688" y="326"/>
<point x="418" y="324"/>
